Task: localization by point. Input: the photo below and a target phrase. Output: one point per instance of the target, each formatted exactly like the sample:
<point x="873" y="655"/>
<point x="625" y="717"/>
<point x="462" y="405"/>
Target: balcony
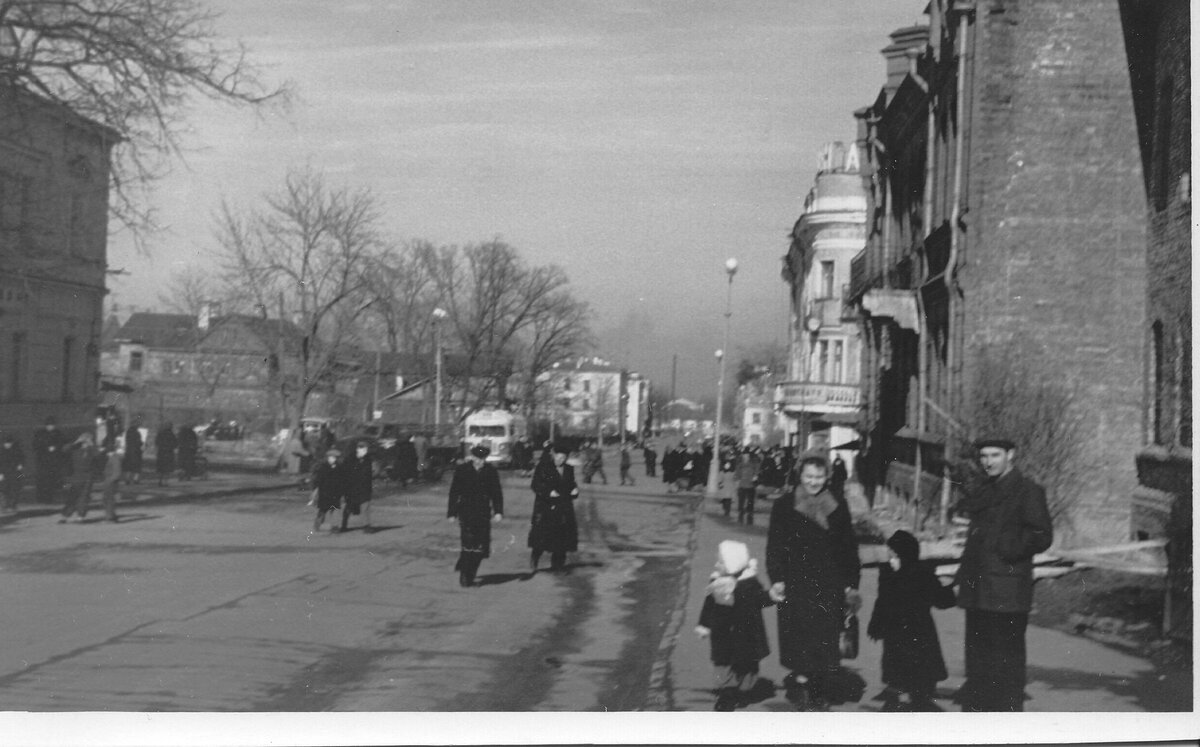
<point x="832" y="312"/>
<point x="817" y="396"/>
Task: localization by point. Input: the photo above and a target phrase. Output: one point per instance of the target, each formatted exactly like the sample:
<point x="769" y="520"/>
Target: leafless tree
<point x="304" y="254"/>
<point x="130" y="65"/>
<point x="403" y="297"/>
<point x="189" y="289"/>
<point x="559" y="330"/>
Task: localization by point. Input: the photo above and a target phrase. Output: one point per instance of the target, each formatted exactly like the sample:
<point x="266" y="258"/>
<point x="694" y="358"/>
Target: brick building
<point x="1157" y="42"/>
<point x="822" y="398"/>
<point x="1006" y="239"/>
<point x="54" y="171"/>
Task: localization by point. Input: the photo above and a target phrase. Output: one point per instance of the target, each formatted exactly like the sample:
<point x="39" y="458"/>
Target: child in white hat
<point x="732" y="621"/>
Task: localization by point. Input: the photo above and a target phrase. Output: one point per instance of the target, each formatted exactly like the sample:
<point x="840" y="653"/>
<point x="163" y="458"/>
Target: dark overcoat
<point x="553" y="527"/>
<point x="1010" y="523"/>
<point x="816" y="564"/>
<point x="359" y="481"/>
<point x="738" y="636"/>
<point x="330" y="483"/>
<point x="132" y="461"/>
<point x="912" y="654"/>
<point x="49" y="451"/>
<point x="475" y="495"/>
<point x="164" y="445"/>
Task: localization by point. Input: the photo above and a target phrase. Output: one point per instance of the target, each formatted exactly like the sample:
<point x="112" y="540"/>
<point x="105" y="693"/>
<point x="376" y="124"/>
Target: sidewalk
<point x="148" y="492"/>
<point x="1065" y="672"/>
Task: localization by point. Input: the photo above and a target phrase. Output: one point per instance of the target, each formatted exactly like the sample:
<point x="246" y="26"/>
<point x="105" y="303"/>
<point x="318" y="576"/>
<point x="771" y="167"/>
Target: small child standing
<point x="912" y="654"/>
<point x="731" y="619"/>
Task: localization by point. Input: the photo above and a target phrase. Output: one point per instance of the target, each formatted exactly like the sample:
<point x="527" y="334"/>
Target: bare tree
<point x="559" y="330"/>
<point x="189" y="289"/>
<point x="304" y="254"/>
<point x="130" y="65"/>
<point x="403" y="297"/>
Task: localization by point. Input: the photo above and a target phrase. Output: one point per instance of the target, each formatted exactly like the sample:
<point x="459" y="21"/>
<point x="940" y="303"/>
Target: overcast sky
<point x="637" y="144"/>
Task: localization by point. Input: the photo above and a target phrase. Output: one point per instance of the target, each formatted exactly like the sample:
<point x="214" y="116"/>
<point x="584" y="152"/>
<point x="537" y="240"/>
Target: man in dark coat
<point x="1010" y="523"/>
<point x="164" y="447"/>
<point x="329" y="486"/>
<point x="650" y="456"/>
<point x="187" y="444"/>
<point x="407" y="460"/>
<point x="131" y="463"/>
<point x="812" y="561"/>
<point x="476" y="500"/>
<point x="49" y="460"/>
<point x="358" y="478"/>
<point x="837" y="477"/>
<point x="552" y="527"/>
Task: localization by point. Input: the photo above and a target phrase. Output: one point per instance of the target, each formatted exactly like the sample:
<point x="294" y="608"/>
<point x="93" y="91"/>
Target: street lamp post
<point x="438" y="315"/>
<point x="714" y="466"/>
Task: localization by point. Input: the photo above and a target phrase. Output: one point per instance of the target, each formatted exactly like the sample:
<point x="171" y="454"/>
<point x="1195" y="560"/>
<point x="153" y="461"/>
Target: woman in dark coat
<point x="912" y="655"/>
<point x="553" y="528"/>
<point x="358" y="478"/>
<point x="812" y="561"/>
<point x="164" y="446"/>
<point x="186" y="446"/>
<point x="131" y="463"/>
<point x="407" y="461"/>
<point x="476" y="500"/>
<point x="329" y="486"/>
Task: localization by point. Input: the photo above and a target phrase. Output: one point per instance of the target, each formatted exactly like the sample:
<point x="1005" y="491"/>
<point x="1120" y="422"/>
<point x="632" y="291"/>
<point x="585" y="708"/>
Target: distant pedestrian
<point x="912" y="656"/>
<point x="837" y="477"/>
<point x="651" y="457"/>
<point x="1010" y="523"/>
<point x="476" y="501"/>
<point x="329" y="487"/>
<point x="626" y="461"/>
<point x="407" y="460"/>
<point x="131" y="464"/>
<point x="187" y="445"/>
<point x="731" y="619"/>
<point x="50" y="460"/>
<point x="113" y="469"/>
<point x="553" y="528"/>
<point x="744" y="475"/>
<point x="596" y="462"/>
<point x="82" y="453"/>
<point x="358" y="478"/>
<point x="12" y="471"/>
<point x="165" y="444"/>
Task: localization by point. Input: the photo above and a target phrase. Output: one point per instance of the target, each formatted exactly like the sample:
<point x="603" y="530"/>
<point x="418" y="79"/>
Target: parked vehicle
<point x="496" y="429"/>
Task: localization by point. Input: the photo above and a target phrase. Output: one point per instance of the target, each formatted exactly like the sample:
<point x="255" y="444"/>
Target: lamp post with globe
<point x="714" y="466"/>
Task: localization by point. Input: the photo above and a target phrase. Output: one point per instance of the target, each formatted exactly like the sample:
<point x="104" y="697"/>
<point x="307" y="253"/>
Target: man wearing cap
<point x="476" y="500"/>
<point x="1010" y="523"/>
<point x="49" y="460"/>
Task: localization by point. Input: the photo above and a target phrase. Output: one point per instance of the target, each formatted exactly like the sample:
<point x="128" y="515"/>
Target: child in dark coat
<point x="329" y="487"/>
<point x="732" y="621"/>
<point x="912" y="654"/>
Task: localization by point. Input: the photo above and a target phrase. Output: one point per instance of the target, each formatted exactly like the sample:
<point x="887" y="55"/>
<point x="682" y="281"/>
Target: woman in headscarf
<point x="812" y="561"/>
<point x="476" y="501"/>
<point x="553" y="528"/>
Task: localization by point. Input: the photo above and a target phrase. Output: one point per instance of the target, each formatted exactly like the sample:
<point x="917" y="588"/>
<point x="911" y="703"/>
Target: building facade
<point x="54" y="173"/>
<point x="1005" y="261"/>
<point x="822" y="398"/>
<point x="1157" y="44"/>
<point x="588" y="396"/>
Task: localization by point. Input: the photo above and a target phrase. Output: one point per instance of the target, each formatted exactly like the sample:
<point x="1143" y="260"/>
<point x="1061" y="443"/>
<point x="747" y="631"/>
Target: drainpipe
<point x="952" y="264"/>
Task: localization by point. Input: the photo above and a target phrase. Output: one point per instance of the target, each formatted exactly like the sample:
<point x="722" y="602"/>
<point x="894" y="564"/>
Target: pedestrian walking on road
<point x="812" y="561"/>
<point x="187" y="445"/>
<point x="744" y="475"/>
<point x="731" y="619"/>
<point x="912" y="655"/>
<point x="50" y="460"/>
<point x="113" y="469"/>
<point x="12" y="471"/>
<point x="131" y="463"/>
<point x="82" y="454"/>
<point x="625" y="463"/>
<point x="1010" y="523"/>
<point x="651" y="458"/>
<point x="165" y="444"/>
<point x="359" y="481"/>
<point x="476" y="501"/>
<point x="553" y="528"/>
<point x="329" y="487"/>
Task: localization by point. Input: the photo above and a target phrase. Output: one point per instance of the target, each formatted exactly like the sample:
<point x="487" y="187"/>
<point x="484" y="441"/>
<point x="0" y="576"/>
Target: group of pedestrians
<point x="345" y="484"/>
<point x="813" y="569"/>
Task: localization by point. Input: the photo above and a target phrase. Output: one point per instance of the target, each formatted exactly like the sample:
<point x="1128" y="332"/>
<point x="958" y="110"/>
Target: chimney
<point x="896" y="55"/>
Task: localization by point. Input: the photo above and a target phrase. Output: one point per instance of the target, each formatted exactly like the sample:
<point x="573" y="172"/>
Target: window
<point x="75" y="225"/>
<point x="587" y="403"/>
<point x="823" y="362"/>
<point x="756" y="418"/>
<point x="587" y="385"/>
<point x="14" y="206"/>
<point x="1184" y="348"/>
<point x="1162" y="145"/>
<point x="827" y="280"/>
<point x="68" y="350"/>
<point x="838" y="375"/>
<point x="17" y="365"/>
<point x="135" y="360"/>
<point x="566" y="385"/>
<point x="1157" y="384"/>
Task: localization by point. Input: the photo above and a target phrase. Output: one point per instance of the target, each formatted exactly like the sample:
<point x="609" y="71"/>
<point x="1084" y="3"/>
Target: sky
<point x="638" y="145"/>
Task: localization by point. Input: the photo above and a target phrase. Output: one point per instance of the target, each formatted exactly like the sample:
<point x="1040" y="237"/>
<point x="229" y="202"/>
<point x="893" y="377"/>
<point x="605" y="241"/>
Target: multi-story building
<point x="589" y="395"/>
<point x="755" y="414"/>
<point x="822" y="399"/>
<point x="1005" y="247"/>
<point x="1157" y="41"/>
<point x="54" y="172"/>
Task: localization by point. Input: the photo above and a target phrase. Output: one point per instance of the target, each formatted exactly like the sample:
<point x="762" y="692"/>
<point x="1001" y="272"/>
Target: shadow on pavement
<point x="121" y="519"/>
<point x="493" y="579"/>
<point x="1150" y="690"/>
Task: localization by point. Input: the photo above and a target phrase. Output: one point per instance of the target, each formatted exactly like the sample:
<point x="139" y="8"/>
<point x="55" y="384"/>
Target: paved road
<point x="230" y="605"/>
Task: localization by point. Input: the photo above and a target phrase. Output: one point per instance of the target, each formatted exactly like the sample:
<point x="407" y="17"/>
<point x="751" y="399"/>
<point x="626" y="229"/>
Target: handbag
<point x="848" y="637"/>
